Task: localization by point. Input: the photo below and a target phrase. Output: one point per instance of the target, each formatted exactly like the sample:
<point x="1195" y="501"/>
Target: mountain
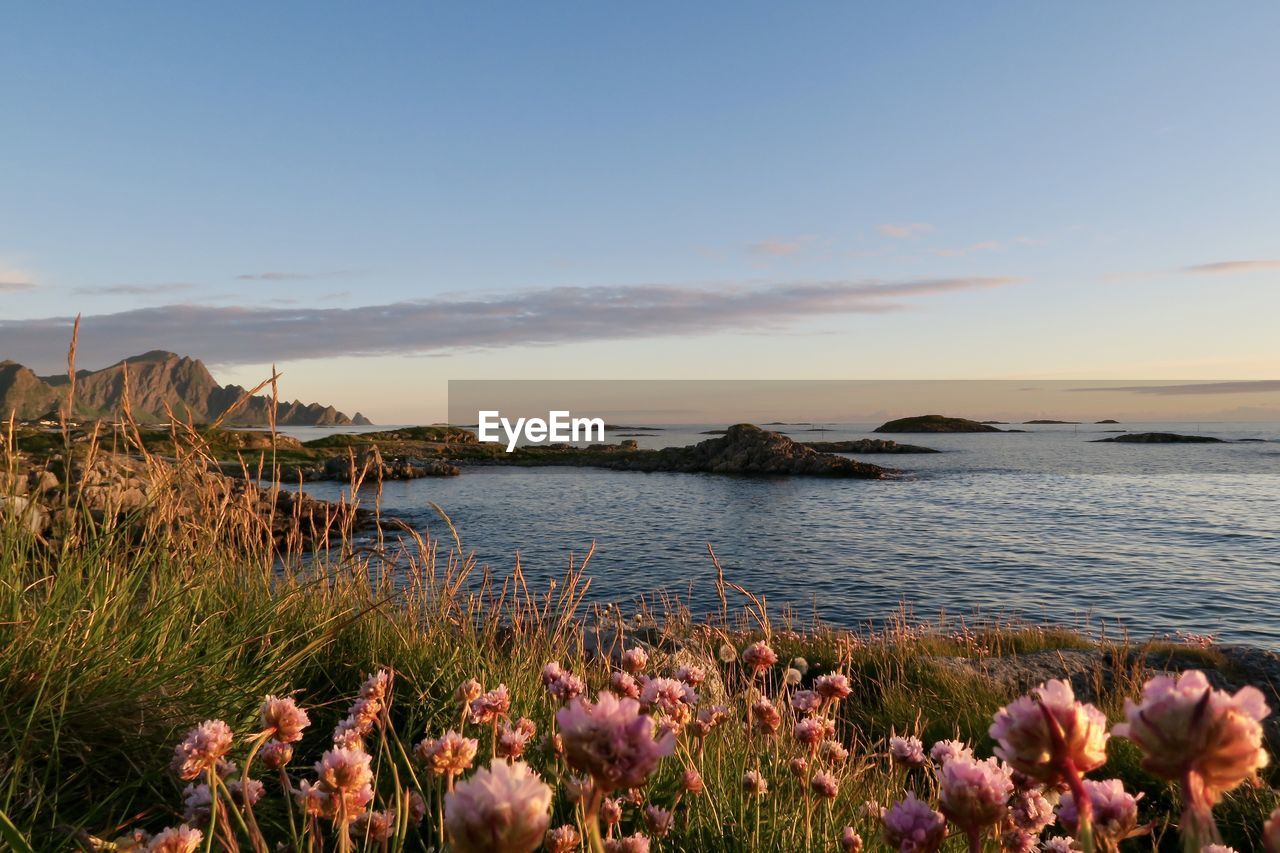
<point x="155" y="379"/>
<point x="23" y="393"/>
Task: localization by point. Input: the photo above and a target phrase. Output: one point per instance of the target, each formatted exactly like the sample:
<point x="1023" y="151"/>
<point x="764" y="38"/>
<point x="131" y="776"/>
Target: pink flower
<point x="201" y="749"/>
<point x="469" y="691"/>
<point x="910" y="826"/>
<point x="692" y="782"/>
<point x="709" y="718"/>
<point x="563" y="839"/>
<point x="624" y="685"/>
<point x="1044" y="736"/>
<point x="612" y="741"/>
<point x="567" y="686"/>
<point x="1217" y="848"/>
<point x="1060" y="844"/>
<point x="754" y="784"/>
<point x="758" y="656"/>
<point x="501" y="807"/>
<point x="825" y="785"/>
<point x="974" y="794"/>
<point x="674" y="698"/>
<point x="635" y="843"/>
<point x="551" y="673"/>
<point x="344" y="784"/>
<point x="832" y="687"/>
<point x="374" y="826"/>
<point x="196" y="803"/>
<point x="906" y="751"/>
<point x="235" y="787"/>
<point x="451" y="754"/>
<point x="176" y="839"/>
<point x="284" y="719"/>
<point x="833" y="752"/>
<point x="850" y="841"/>
<point x="945" y="750"/>
<point x="611" y="811"/>
<point x="764" y="717"/>
<point x="1115" y="812"/>
<point x="1030" y="810"/>
<point x="810" y="732"/>
<point x="1016" y="841"/>
<point x="512" y="740"/>
<point x="634" y="660"/>
<point x="806" y="701"/>
<point x="658" y="820"/>
<point x="276" y="754"/>
<point x="1185" y="727"/>
<point x="492" y="705"/>
<point x="417" y="808"/>
<point x="799" y="767"/>
<point x="377" y="687"/>
<point x="691" y="675"/>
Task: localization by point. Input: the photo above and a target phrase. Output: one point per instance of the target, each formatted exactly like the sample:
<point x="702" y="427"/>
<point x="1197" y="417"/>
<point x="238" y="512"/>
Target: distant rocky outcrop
<point x="23" y="394"/>
<point x="374" y="466"/>
<point x="1161" y="438"/>
<point x="155" y="380"/>
<point x="1107" y="421"/>
<point x="1049" y="421"/>
<point x="935" y="423"/>
<point x="748" y="449"/>
<point x="867" y="445"/>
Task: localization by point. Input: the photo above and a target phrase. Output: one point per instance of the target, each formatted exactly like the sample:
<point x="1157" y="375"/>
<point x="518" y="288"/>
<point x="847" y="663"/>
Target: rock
<point x="1161" y="438"/>
<point x="1107" y="421"/>
<point x="43" y="481"/>
<point x="867" y="445"/>
<point x="17" y="483"/>
<point x="128" y="499"/>
<point x="371" y="465"/>
<point x="748" y="449"/>
<point x="935" y="423"/>
<point x="1046" y="421"/>
<point x="29" y="514"/>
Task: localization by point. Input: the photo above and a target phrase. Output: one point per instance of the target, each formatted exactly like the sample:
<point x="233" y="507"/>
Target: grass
<point x="120" y="632"/>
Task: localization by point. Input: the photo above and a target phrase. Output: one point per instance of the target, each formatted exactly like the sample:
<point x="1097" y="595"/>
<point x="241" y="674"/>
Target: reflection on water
<point x="1044" y="524"/>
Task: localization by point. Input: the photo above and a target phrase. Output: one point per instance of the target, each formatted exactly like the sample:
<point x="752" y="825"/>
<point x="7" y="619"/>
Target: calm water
<point x="1045" y="525"/>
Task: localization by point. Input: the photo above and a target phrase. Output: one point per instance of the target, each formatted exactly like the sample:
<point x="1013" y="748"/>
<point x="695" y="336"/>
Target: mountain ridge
<point x="155" y="379"/>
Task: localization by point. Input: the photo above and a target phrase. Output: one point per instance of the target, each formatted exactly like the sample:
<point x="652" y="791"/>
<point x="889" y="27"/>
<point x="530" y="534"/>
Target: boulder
<point x="29" y="514"/>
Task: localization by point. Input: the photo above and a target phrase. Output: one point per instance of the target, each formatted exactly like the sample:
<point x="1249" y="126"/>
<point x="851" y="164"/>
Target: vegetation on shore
<point x="127" y="635"/>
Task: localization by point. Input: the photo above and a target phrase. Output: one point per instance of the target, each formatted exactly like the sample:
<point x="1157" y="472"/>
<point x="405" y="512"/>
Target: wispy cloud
<point x="294" y="276"/>
<point x="13" y="280"/>
<point x="903" y="230"/>
<point x="983" y="246"/>
<point x="1260" y="386"/>
<point x="533" y="317"/>
<point x="1228" y="267"/>
<point x="133" y="289"/>
<point x="776" y="248"/>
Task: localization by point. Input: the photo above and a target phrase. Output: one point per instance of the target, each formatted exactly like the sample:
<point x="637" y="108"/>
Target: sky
<point x="379" y="199"/>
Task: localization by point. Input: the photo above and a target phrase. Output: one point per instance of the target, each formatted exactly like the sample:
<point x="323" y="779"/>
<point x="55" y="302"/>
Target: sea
<point x="1046" y="525"/>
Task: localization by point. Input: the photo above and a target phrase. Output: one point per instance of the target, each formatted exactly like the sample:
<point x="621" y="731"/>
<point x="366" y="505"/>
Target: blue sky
<point x="383" y="198"/>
